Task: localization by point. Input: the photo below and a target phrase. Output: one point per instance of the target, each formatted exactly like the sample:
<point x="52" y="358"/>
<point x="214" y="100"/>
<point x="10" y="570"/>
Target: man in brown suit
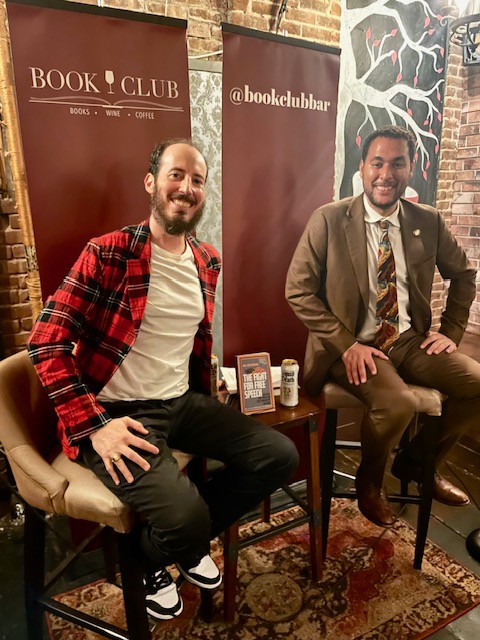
<point x="332" y="287"/>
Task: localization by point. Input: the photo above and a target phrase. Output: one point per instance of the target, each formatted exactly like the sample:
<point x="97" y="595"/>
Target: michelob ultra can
<point x="214" y="376"/>
<point x="289" y="383"/>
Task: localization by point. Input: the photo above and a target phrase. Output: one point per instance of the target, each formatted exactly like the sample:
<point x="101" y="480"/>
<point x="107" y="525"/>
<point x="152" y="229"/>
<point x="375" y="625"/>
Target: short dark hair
<point x="391" y="131"/>
<point x="161" y="147"/>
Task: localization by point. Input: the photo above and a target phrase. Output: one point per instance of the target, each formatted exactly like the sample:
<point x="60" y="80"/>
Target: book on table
<point x="254" y="383"/>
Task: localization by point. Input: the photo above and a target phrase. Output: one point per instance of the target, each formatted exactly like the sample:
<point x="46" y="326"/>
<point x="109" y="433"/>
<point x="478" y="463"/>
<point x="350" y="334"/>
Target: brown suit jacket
<point x="327" y="282"/>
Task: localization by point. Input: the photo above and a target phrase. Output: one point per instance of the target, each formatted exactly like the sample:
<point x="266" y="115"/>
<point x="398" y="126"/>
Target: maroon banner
<point x="279" y="109"/>
<point x="96" y="90"/>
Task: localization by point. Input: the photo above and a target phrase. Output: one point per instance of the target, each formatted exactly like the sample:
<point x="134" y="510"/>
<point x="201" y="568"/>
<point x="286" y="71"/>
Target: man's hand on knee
<point x="115" y="440"/>
<point x="358" y="359"/>
<point x="437" y="342"/>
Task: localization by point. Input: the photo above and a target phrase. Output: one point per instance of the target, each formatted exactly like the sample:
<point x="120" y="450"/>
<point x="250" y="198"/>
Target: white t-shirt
<point x="156" y="367"/>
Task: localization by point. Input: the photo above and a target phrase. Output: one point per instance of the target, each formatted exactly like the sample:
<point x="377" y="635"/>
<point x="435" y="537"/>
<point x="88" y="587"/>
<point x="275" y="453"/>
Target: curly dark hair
<point x="391" y="131"/>
<point x="159" y="150"/>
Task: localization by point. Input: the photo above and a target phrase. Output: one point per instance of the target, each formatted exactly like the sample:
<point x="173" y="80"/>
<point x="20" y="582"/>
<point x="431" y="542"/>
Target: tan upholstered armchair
<point x="51" y="483"/>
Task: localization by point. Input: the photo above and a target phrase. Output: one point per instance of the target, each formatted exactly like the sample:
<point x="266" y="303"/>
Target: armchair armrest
<point x="37" y="482"/>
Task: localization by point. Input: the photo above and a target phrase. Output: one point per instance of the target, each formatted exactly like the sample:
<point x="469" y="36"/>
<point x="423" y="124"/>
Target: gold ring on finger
<point x="116" y="457"/>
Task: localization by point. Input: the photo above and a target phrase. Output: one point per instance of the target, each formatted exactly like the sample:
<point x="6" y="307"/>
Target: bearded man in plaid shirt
<point x="123" y="348"/>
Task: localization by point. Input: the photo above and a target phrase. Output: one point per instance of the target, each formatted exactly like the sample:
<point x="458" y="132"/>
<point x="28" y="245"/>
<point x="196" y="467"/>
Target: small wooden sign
<point x="255" y="388"/>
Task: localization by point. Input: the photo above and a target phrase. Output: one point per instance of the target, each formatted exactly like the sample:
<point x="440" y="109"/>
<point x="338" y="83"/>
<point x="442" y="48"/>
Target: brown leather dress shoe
<point x="447" y="493"/>
<point x="373" y="502"/>
<point x="443" y="490"/>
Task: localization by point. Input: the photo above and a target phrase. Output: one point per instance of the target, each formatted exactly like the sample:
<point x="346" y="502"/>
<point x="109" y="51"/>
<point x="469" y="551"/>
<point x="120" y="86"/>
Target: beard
<point x="178" y="224"/>
<point x="384" y="204"/>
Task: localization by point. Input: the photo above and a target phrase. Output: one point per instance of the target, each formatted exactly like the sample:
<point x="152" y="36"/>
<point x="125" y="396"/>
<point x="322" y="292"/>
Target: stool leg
<point x="425" y="506"/>
<point x="34" y="570"/>
<point x="327" y="462"/>
<point x="133" y="588"/>
<point x="314" y="496"/>
<point x="206" y="604"/>
<point x="230" y="562"/>
<point x="109" y="555"/>
<point x="265" y="509"/>
<point x="404" y="440"/>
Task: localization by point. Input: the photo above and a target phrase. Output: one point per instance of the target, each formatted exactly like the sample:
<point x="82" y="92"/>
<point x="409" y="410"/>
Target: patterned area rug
<point x="369" y="589"/>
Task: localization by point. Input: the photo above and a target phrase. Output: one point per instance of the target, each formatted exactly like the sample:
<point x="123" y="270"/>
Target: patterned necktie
<point x="386" y="330"/>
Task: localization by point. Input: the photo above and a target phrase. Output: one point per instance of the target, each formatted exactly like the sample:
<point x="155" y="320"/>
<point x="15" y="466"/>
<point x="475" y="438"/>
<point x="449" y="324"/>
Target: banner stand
<point x="278" y="145"/>
<point x="85" y="112"/>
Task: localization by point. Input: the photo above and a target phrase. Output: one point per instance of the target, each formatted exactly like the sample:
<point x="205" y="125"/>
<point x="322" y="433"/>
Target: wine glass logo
<point x="110" y="78"/>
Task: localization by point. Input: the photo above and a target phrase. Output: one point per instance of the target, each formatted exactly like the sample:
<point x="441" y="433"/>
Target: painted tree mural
<point x="392" y="72"/>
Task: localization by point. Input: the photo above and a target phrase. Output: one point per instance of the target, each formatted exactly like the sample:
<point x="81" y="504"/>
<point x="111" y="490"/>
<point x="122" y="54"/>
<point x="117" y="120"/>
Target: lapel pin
<point x="416" y="232"/>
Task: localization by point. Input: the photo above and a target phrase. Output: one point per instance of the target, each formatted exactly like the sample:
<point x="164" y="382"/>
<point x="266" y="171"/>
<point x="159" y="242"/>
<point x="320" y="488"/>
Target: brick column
<point x="466" y="197"/>
<point x="15" y="308"/>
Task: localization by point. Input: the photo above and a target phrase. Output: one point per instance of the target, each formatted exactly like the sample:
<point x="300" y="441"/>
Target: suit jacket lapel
<point x="357" y="245"/>
<point x="413" y="235"/>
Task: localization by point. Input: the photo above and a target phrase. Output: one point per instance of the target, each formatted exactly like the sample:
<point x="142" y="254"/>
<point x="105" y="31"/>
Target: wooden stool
<point x="305" y="414"/>
<point x="429" y="402"/>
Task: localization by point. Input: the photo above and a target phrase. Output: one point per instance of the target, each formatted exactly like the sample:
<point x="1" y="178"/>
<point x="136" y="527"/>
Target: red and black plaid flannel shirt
<point x="91" y="322"/>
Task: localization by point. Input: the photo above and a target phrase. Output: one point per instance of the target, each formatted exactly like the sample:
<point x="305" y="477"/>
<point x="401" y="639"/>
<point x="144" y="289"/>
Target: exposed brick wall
<point x="316" y="20"/>
<point x="466" y="197"/>
<point x="15" y="309"/>
<point x="448" y="155"/>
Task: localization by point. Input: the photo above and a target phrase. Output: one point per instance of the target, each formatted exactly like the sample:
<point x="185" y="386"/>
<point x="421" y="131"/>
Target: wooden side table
<point x="305" y="414"/>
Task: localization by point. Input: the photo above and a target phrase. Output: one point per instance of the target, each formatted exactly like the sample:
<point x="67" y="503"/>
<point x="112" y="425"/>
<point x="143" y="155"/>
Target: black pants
<point x="176" y="521"/>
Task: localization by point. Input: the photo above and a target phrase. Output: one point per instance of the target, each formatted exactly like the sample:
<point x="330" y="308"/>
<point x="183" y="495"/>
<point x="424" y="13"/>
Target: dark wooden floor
<point x="449" y="528"/>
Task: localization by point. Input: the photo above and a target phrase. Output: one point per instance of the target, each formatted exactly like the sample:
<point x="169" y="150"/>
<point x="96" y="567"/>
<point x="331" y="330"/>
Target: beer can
<point x="214" y="376"/>
<point x="289" y="383"/>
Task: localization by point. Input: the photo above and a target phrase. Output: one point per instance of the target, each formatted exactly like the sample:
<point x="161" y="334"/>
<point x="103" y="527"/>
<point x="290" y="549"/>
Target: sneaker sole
<point x="203" y="585"/>
<point x="164" y="615"/>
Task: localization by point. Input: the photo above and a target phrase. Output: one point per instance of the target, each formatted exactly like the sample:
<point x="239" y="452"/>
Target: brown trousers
<point x="390" y="405"/>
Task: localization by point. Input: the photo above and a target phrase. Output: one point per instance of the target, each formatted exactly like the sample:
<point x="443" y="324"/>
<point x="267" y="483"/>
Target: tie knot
<point x="384" y="224"/>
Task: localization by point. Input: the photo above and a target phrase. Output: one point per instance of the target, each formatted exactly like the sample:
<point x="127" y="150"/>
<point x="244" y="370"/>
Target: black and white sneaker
<point x="163" y="600"/>
<point x="203" y="572"/>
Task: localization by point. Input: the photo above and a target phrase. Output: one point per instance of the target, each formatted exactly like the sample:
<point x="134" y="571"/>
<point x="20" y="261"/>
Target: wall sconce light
<point x="465" y="31"/>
